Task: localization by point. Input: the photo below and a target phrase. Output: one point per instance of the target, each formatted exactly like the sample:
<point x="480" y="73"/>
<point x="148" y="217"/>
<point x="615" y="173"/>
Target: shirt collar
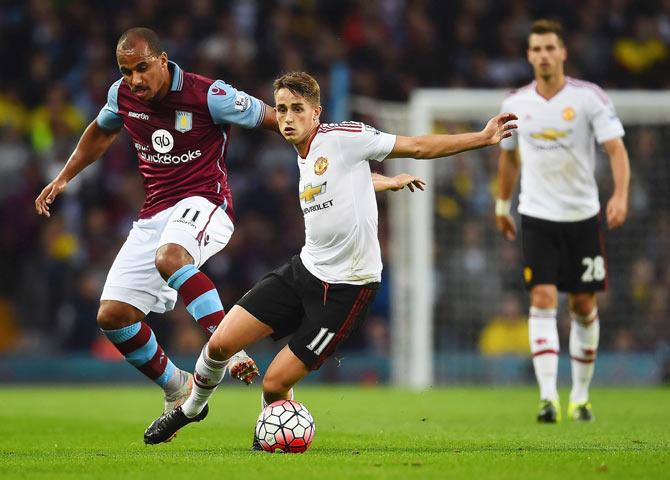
<point x="177" y="77"/>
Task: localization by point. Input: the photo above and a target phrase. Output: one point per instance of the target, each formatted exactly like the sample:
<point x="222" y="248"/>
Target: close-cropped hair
<point x="301" y="84"/>
<point x="545" y="25"/>
<point x="130" y="36"/>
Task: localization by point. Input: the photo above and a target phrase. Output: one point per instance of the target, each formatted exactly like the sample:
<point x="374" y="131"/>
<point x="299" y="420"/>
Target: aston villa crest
<point x="321" y="165"/>
<point x="183" y="121"/>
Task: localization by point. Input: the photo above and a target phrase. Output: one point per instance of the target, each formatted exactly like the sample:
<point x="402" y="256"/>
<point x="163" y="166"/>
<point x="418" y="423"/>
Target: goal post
<point x="411" y="217"/>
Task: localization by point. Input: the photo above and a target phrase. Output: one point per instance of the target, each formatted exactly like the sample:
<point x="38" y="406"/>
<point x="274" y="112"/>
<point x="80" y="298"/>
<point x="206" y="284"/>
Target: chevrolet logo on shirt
<point x="551" y="134"/>
<point x="309" y="192"/>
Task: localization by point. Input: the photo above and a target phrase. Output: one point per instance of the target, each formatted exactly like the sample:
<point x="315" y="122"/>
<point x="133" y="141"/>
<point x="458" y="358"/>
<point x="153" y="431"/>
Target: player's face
<point x="297" y="117"/>
<point x="546" y="54"/>
<point x="145" y="73"/>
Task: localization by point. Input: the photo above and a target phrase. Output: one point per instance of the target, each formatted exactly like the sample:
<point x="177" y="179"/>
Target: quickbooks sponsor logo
<point x="141" y="116"/>
<point x="167" y="159"/>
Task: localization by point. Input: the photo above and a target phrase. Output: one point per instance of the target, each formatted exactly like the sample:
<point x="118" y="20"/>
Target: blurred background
<point x="58" y="60"/>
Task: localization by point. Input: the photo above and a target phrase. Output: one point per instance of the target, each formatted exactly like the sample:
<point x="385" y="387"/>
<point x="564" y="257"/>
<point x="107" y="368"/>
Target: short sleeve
<point x="511" y="142"/>
<point x="604" y="119"/>
<point x="366" y="142"/>
<point x="109" y="118"/>
<point x="228" y="105"/>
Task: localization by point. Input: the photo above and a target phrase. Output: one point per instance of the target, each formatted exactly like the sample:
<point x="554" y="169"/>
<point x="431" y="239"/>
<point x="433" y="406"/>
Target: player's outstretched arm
<point x="436" y="146"/>
<point x="93" y="143"/>
<point x="383" y="183"/>
<point x="509" y="164"/>
<point x="617" y="206"/>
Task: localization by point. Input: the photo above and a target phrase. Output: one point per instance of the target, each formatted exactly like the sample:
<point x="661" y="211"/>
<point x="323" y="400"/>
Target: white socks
<point x="543" y="336"/>
<point x="584" y="336"/>
<point x="208" y="374"/>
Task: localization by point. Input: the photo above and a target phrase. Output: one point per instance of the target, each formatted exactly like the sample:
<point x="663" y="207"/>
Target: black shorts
<point x="319" y="315"/>
<point x="570" y="255"/>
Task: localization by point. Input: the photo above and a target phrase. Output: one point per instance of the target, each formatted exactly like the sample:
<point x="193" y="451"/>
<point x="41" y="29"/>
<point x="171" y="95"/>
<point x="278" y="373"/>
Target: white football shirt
<point x="339" y="205"/>
<point x="556" y="140"/>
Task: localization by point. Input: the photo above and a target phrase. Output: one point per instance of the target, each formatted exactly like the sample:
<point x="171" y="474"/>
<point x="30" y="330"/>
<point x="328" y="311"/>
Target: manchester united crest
<point x="321" y="165"/>
<point x="568" y="113"/>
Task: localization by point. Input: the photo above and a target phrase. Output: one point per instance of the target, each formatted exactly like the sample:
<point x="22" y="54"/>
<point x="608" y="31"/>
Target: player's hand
<point x="499" y="127"/>
<point x="406" y="180"/>
<point x="47" y="196"/>
<point x="246" y="370"/>
<point x="505" y="225"/>
<point x="617" y="210"/>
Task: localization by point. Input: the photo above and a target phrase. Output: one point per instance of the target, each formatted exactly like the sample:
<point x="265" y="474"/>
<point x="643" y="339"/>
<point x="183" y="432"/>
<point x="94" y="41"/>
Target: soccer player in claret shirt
<point x="560" y="121"/>
<point x="321" y="295"/>
<point x="179" y="123"/>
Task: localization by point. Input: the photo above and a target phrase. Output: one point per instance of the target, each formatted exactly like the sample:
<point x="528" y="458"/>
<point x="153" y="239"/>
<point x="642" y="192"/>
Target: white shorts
<point x="195" y="223"/>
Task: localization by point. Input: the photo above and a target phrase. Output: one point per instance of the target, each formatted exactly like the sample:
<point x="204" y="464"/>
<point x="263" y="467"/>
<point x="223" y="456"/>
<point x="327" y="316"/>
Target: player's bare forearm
<point x="436" y="146"/>
<point x="383" y="183"/>
<point x="508" y="173"/>
<point x="93" y="143"/>
<point x="620" y="164"/>
<point x="617" y="207"/>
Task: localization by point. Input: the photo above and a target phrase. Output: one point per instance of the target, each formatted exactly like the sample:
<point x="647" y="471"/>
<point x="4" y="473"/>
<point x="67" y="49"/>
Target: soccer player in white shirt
<point x="560" y="121"/>
<point x="324" y="293"/>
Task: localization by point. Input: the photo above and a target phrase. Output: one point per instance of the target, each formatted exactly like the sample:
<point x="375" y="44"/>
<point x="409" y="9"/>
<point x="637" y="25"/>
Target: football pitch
<point x="376" y="433"/>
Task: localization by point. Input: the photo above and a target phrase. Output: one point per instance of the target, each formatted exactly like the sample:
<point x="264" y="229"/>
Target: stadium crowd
<point x="58" y="61"/>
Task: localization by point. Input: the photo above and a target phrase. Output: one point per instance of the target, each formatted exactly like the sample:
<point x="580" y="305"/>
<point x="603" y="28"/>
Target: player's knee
<point x="543" y="296"/>
<point x="170" y="258"/>
<point x="113" y="315"/>
<point x="218" y="349"/>
<point x="582" y="304"/>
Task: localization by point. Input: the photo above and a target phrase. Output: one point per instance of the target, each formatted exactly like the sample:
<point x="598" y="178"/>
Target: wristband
<point x="503" y="207"/>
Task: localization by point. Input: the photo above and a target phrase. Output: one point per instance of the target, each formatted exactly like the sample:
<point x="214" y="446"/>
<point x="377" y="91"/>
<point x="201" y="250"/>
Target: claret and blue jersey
<point x="181" y="140"/>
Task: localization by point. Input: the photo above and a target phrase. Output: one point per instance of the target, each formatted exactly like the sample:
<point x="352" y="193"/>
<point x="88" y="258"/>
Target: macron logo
<point x="141" y="116"/>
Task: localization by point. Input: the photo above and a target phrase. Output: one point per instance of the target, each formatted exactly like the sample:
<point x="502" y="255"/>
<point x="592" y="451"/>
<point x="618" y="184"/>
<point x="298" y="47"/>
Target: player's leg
<point x="238" y="330"/>
<point x="194" y="231"/>
<point x="332" y="312"/>
<point x="122" y="324"/>
<point x="587" y="276"/>
<point x="541" y="249"/>
<point x="544" y="346"/>
<point x="274" y="300"/>
<point x="133" y="288"/>
<point x="584" y="337"/>
<point x="283" y="373"/>
<point x="271" y="307"/>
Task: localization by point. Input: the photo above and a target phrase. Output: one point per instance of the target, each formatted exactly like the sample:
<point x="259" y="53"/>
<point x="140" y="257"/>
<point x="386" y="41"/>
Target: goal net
<point x="458" y="305"/>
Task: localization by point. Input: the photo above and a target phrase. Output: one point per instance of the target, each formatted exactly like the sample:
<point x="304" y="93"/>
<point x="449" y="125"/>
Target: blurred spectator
<point x="507" y="332"/>
<point x="643" y="55"/>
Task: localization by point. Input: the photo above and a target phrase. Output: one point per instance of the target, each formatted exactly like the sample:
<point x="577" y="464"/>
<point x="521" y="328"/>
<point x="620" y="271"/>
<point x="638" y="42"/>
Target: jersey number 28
<point x="595" y="269"/>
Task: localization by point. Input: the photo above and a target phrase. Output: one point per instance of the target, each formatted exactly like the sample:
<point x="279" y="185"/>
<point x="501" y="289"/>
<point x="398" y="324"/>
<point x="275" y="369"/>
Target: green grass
<point x="96" y="432"/>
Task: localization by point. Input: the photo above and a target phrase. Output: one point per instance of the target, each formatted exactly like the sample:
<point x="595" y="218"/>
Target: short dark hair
<point x="130" y="36"/>
<point x="544" y="25"/>
<point x="302" y="84"/>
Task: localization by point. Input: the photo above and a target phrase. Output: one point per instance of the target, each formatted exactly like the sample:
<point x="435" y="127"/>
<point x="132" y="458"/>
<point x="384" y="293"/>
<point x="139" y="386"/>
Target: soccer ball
<point x="285" y="425"/>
